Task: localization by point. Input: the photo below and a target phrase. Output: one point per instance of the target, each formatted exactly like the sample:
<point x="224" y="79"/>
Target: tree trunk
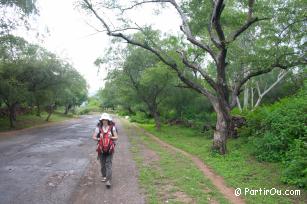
<point x="245" y="97"/>
<point x="49" y="114"/>
<point x="130" y="111"/>
<point x="239" y="104"/>
<point x="12" y="122"/>
<point x="38" y="111"/>
<point x="252" y="97"/>
<point x="50" y="110"/>
<point x="222" y="128"/>
<point x="157" y="120"/>
<point x="12" y="114"/>
<point x="67" y="108"/>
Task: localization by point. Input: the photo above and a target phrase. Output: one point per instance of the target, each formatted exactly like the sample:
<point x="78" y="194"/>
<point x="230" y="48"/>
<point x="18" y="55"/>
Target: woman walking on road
<point x="105" y="133"/>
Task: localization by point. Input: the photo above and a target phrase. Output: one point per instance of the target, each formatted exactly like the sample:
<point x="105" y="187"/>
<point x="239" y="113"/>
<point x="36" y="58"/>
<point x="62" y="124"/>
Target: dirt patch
<point x="183" y="197"/>
<point x="89" y="178"/>
<point x="169" y="192"/>
<point x="86" y="183"/>
<point x="150" y="157"/>
<point x="57" y="178"/>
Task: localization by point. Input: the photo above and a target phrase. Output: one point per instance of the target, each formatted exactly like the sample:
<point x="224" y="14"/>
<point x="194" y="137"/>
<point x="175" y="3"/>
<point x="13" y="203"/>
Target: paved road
<point x="48" y="165"/>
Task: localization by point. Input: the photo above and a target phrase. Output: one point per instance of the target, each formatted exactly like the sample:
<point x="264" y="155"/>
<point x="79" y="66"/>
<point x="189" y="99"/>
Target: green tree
<point x="75" y="90"/>
<point x="13" y="90"/>
<point x="31" y="75"/>
<point x="148" y="81"/>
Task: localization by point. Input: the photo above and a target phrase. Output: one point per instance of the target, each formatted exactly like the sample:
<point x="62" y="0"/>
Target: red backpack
<point x="105" y="144"/>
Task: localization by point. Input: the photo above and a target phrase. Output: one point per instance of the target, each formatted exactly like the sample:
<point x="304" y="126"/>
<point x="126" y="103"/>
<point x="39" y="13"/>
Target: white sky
<point x="71" y="37"/>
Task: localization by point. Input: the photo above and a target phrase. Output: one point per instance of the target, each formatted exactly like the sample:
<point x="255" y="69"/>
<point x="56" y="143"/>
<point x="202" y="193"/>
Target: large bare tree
<point x="215" y="44"/>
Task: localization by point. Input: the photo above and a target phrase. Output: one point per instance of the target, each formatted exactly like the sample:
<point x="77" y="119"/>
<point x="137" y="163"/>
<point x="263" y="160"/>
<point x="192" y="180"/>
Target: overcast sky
<point x="72" y="38"/>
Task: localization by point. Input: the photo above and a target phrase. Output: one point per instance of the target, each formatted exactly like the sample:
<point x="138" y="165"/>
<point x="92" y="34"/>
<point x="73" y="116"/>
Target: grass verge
<point x="28" y="120"/>
<point x="167" y="176"/>
<point x="239" y="169"/>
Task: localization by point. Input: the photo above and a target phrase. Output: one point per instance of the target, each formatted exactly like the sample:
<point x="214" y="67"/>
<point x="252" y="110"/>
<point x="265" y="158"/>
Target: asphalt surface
<point x="50" y="164"/>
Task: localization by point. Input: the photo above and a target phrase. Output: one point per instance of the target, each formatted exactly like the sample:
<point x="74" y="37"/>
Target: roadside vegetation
<point x="92" y="105"/>
<point x="31" y="120"/>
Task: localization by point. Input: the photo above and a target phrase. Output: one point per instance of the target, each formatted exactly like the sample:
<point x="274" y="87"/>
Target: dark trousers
<point x="106" y="165"/>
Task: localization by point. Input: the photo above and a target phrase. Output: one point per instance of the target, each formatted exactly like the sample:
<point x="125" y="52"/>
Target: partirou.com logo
<point x="265" y="191"/>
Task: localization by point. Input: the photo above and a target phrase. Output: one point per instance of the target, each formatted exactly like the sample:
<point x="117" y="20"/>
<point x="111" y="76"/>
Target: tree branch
<point x="187" y="31"/>
<point x="249" y="21"/>
<point x="195" y="67"/>
<point x="280" y="76"/>
<point x="90" y="6"/>
<point x="244" y="28"/>
<point x="182" y="86"/>
<point x="215" y="21"/>
<point x="213" y="39"/>
<point x="140" y="3"/>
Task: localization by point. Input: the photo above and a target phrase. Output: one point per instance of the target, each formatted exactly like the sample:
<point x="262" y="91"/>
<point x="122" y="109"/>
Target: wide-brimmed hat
<point x="105" y="116"/>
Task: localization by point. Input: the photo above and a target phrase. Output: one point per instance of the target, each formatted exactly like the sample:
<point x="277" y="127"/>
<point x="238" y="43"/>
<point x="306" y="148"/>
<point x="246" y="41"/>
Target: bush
<point x="295" y="164"/>
<point x="140" y="117"/>
<point x="270" y="147"/>
<point x="84" y="111"/>
<point x="272" y="129"/>
<point x="277" y="133"/>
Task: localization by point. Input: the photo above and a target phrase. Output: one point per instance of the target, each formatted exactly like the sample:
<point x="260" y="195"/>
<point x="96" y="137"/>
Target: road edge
<point x="47" y="124"/>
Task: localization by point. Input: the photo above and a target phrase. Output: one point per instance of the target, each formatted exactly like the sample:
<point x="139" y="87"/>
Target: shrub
<point x="295" y="164"/>
<point x="278" y="133"/>
<point x="83" y="111"/>
<point x="140" y="117"/>
<point x="272" y="129"/>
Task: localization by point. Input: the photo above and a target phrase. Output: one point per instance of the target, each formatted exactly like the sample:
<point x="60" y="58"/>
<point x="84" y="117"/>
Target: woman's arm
<point x="115" y="136"/>
<point x="94" y="136"/>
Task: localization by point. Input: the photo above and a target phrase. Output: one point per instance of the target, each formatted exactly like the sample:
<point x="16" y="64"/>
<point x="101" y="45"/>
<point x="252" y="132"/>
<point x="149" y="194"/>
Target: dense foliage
<point x="278" y="133"/>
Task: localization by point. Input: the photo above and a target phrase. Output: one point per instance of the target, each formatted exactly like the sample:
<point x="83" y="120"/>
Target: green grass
<point x="171" y="174"/>
<point x="28" y="120"/>
<point x="238" y="168"/>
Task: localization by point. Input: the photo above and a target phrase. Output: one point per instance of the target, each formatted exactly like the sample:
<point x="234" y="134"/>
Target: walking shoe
<point x="108" y="184"/>
<point x="104" y="179"/>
